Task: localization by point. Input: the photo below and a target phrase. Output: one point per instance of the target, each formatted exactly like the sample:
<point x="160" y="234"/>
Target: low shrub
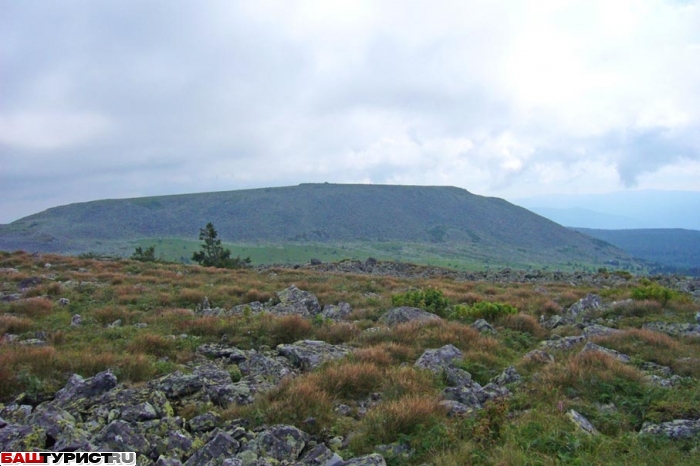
<point x="430" y="300"/>
<point x="488" y="310"/>
<point x="656" y="292"/>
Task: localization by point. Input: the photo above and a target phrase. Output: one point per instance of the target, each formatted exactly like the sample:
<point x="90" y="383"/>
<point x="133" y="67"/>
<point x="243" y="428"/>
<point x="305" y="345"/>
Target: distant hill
<point x="629" y="209"/>
<point x="449" y="220"/>
<point x="674" y="250"/>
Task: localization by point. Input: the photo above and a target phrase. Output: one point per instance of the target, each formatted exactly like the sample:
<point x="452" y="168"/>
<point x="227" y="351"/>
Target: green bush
<point x="149" y="255"/>
<point x="431" y="300"/>
<point x="655" y="292"/>
<point x="482" y="310"/>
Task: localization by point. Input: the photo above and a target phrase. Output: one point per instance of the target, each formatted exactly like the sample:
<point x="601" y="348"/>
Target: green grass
<point x="457" y="257"/>
<point x="528" y="428"/>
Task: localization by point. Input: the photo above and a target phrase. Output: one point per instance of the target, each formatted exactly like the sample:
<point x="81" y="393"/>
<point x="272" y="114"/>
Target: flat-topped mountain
<point x="313" y="213"/>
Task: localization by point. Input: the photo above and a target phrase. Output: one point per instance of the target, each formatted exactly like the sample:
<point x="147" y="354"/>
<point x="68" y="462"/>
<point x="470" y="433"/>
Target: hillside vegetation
<point x="504" y="369"/>
<point x="450" y="222"/>
<point x="671" y="250"/>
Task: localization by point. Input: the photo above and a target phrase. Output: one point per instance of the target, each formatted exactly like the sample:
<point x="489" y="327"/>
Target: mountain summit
<point x="443" y="217"/>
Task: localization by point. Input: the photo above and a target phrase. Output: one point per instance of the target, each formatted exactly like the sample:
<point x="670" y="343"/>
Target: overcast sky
<point x="120" y="98"/>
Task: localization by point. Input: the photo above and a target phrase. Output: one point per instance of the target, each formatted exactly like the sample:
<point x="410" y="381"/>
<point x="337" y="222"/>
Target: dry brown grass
<point x="385" y="354"/>
<point x="13" y="324"/>
<point x="646" y="345"/>
<point x="585" y="373"/>
<point x="632" y="341"/>
<point x="286" y="329"/>
<point x="377" y="355"/>
<point x="638" y="309"/>
<point x="191" y="296"/>
<point x="32" y="308"/>
<point x="350" y="380"/>
<point x="407" y="380"/>
<point x="153" y="344"/>
<point x="337" y="333"/>
<point x="393" y="419"/>
<point x="549" y="308"/>
<point x="435" y="334"/>
<point x="254" y="294"/>
<point x="107" y="315"/>
<point x="295" y="401"/>
<point x="523" y="323"/>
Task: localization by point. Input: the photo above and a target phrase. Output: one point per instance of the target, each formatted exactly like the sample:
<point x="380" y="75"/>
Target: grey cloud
<point x="640" y="152"/>
<point x="199" y="96"/>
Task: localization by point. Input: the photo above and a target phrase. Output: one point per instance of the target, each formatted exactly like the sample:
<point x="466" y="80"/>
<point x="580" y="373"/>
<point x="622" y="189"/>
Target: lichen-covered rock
<point x="321" y="455"/>
<point x="280" y="442"/>
<point x="592" y="347"/>
<point x="33" y="342"/>
<point x="375" y="459"/>
<point x="14" y="437"/>
<point x="204" y="422"/>
<point x="167" y="461"/>
<point x="309" y="354"/>
<point x="400" y="315"/>
<point x="675" y="329"/>
<point x="255" y="307"/>
<point x="208" y="378"/>
<point x="596" y="330"/>
<point x="581" y="422"/>
<point x="336" y="313"/>
<point x="396" y="451"/>
<point x="456" y="377"/>
<point x="663" y="382"/>
<point x="508" y="376"/>
<point x="128" y="404"/>
<point x="121" y="436"/>
<point x="556" y="321"/>
<point x="436" y="360"/>
<point x="491" y="391"/>
<point x="218" y="350"/>
<point x="558" y="343"/>
<point x="16" y="413"/>
<point x="455" y="408"/>
<point x="590" y="302"/>
<point x="264" y="370"/>
<point x="658" y="369"/>
<point x="481" y="326"/>
<point x="217" y="450"/>
<point x="467" y="396"/>
<point x="296" y="301"/>
<point x="539" y="356"/>
<point x="52" y="419"/>
<point x="175" y="444"/>
<point x="77" y="387"/>
<point x="676" y="429"/>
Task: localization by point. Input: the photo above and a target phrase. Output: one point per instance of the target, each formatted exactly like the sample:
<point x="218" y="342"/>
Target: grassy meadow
<point x="528" y="428"/>
<point x="453" y="256"/>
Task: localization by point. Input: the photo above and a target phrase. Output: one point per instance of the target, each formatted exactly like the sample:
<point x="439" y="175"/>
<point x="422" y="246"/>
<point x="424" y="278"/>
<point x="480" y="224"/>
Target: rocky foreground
<point x="101" y="413"/>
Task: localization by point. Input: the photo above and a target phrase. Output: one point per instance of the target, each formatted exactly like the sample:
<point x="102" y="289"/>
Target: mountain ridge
<point x="312" y="213"/>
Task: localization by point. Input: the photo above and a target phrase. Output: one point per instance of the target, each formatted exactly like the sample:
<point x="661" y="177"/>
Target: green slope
<point x="671" y="247"/>
<point x="452" y="220"/>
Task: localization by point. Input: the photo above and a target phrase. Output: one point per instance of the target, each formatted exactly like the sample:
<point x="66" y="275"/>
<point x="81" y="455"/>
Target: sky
<point x="114" y="99"/>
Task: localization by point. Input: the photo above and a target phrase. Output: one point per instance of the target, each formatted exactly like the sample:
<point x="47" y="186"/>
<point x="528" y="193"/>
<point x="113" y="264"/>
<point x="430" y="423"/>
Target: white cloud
<point x="51" y="130"/>
<point x="501" y="98"/>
